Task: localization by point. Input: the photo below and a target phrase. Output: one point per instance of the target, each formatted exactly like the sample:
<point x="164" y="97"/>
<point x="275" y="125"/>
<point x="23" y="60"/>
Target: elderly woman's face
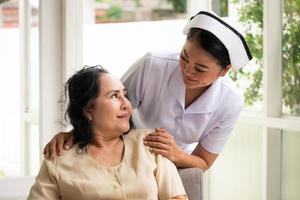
<point x="111" y="110"/>
<point x="199" y="69"/>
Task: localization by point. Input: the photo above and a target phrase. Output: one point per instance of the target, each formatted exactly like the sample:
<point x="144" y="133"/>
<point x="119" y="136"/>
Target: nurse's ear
<point x="225" y="70"/>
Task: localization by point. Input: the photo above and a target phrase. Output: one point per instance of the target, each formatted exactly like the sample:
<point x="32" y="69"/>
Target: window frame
<point x="59" y="47"/>
<point x="271" y="119"/>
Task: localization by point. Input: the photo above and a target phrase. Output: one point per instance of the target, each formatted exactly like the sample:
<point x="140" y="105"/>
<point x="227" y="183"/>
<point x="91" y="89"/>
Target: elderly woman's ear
<point x="88" y="112"/>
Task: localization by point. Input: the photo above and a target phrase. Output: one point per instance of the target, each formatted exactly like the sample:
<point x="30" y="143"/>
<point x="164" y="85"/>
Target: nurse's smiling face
<point x="199" y="68"/>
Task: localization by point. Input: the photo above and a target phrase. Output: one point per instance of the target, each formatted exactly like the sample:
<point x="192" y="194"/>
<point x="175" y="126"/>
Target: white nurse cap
<point x="239" y="53"/>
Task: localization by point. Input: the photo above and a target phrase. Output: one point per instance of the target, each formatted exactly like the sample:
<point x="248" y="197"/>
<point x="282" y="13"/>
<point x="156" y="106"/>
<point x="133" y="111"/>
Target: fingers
<point x="55" y="146"/>
<point x="162" y="152"/>
<point x="160" y="136"/>
<point x="159" y="151"/>
<point x="160" y="142"/>
<point x="163" y="143"/>
<point x="59" y="145"/>
<point x="46" y="151"/>
<point x="162" y="132"/>
<point x="70" y="141"/>
<point x="157" y="145"/>
<point x="160" y="139"/>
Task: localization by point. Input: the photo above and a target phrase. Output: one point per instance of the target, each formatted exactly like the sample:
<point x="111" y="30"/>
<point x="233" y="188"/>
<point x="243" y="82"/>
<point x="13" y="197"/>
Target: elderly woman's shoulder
<point x="68" y="157"/>
<point x="136" y="147"/>
<point x="136" y="136"/>
<point x="140" y="133"/>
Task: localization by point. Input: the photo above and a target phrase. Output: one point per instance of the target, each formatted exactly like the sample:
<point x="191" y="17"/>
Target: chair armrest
<point x="192" y="179"/>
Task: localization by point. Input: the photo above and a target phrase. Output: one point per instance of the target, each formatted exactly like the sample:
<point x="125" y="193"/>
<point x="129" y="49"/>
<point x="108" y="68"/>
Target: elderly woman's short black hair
<point x="81" y="90"/>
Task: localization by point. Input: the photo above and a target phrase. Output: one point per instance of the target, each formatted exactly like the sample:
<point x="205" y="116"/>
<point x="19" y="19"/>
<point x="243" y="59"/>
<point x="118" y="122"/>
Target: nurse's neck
<point x="192" y="94"/>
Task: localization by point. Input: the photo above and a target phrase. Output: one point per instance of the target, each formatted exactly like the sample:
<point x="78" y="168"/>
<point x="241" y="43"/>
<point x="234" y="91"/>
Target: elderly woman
<point x="109" y="160"/>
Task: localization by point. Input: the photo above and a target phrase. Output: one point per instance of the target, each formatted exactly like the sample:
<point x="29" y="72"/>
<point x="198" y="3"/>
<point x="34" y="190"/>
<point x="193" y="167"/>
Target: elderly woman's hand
<point x="163" y="143"/>
<point x="58" y="142"/>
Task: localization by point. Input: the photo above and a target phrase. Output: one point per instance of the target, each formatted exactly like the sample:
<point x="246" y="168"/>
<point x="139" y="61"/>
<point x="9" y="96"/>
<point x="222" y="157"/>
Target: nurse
<point x="186" y="97"/>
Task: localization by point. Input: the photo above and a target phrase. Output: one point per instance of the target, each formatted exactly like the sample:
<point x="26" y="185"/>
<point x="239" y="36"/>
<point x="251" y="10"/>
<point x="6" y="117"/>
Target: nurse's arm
<point x="200" y="158"/>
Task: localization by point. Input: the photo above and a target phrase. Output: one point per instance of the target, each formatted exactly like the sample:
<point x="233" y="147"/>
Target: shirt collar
<point x="176" y="86"/>
<point x="207" y="102"/>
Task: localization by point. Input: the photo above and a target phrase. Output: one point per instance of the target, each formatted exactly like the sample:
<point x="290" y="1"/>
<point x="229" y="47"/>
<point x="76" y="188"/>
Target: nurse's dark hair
<point x="81" y="90"/>
<point x="211" y="44"/>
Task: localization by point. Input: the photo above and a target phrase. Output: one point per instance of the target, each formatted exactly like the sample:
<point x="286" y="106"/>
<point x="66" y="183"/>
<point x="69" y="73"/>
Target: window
<point x="291" y="58"/>
<point x="117" y="33"/>
<point x="19" y="82"/>
<point x="248" y="18"/>
<point x="10" y="85"/>
<point x="39" y="109"/>
<point x="261" y="154"/>
<point x="237" y="172"/>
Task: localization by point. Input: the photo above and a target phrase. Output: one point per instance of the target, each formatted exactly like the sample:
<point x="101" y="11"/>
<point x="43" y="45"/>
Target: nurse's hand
<point x="163" y="143"/>
<point x="62" y="140"/>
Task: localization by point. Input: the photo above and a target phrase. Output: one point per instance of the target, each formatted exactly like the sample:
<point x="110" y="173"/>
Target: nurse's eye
<point x="200" y="69"/>
<point x="184" y="58"/>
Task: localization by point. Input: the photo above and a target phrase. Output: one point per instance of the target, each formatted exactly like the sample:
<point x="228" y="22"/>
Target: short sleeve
<point x="135" y="80"/>
<point x="45" y="186"/>
<point x="216" y="139"/>
<point x="168" y="179"/>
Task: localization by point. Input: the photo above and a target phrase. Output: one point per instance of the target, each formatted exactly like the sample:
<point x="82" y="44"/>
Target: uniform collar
<point x="207" y="102"/>
<point x="176" y="86"/>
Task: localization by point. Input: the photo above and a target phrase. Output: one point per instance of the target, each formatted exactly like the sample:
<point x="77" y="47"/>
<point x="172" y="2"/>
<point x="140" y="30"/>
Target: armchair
<point x="192" y="179"/>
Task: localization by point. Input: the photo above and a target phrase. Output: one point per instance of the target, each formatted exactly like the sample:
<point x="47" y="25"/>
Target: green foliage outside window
<point x="251" y="16"/>
<point x="223" y="8"/>
<point x="115" y="12"/>
<point x="291" y="55"/>
<point x="179" y="5"/>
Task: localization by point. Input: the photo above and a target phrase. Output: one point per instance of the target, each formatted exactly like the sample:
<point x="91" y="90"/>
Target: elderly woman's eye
<point x="114" y="95"/>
